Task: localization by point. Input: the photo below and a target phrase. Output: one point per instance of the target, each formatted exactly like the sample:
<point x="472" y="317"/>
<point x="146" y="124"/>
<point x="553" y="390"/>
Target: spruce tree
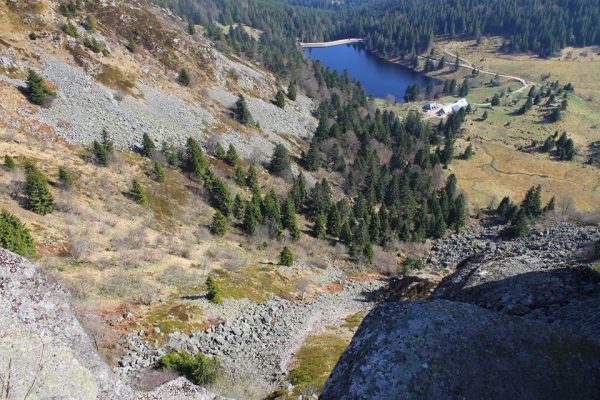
<point x="219" y="194"/>
<point x="319" y="229"/>
<point x="194" y="157"/>
<point x="519" y="225"/>
<point x="213" y="291"/>
<point x="286" y="257"/>
<point x="100" y="153"/>
<point x="138" y="193"/>
<point x="280" y="99"/>
<point x="250" y="218"/>
<point x="312" y="160"/>
<point x="242" y="114"/>
<point x="334" y="222"/>
<point x="532" y="203"/>
<point x="159" y="171"/>
<point x="252" y="177"/>
<point x="232" y="158"/>
<point x="484" y="116"/>
<point x="238" y="207"/>
<point x="496" y="100"/>
<point x="551" y="206"/>
<point x="292" y="91"/>
<point x="37" y="90"/>
<point x="299" y="192"/>
<point x="39" y="198"/>
<point x="219" y="226"/>
<point x="464" y="88"/>
<point x="239" y="174"/>
<point x="148" y="146"/>
<point x="280" y="161"/>
<point x="14" y="236"/>
<point x="107" y="142"/>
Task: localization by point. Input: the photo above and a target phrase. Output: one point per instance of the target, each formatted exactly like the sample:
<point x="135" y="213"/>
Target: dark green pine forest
<point x="393" y="28"/>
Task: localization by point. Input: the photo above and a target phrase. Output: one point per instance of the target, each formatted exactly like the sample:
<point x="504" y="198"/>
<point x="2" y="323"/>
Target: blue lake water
<point x="378" y="77"/>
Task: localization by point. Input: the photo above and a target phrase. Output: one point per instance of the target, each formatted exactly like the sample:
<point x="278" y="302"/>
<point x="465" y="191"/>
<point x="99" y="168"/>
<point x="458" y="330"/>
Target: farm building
<point x="430" y="106"/>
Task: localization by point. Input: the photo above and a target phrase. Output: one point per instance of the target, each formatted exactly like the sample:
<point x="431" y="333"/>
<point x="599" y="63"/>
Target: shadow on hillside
<point x="565" y="296"/>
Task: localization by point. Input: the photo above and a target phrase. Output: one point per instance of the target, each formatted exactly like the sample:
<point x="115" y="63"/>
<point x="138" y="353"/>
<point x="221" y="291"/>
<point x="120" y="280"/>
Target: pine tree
<point x="148" y="146"/>
<point x="219" y="194"/>
<point x="219" y="226"/>
<point x="14" y="236"/>
<point x="280" y="99"/>
<point x="9" y="162"/>
<point x="551" y="206"/>
<point x="184" y="78"/>
<point x="286" y="257"/>
<point x="37" y="90"/>
<point x="138" y="193"/>
<point x="239" y="174"/>
<point x="252" y="177"/>
<point x="312" y="160"/>
<point x="495" y="100"/>
<point x="519" y="225"/>
<point x="250" y="218"/>
<point x="220" y="152"/>
<point x="242" y="114"/>
<point x="319" y="229"/>
<point x="64" y="177"/>
<point x="280" y="161"/>
<point x="299" y="192"/>
<point x="464" y="88"/>
<point x="468" y="152"/>
<point x="238" y="207"/>
<point x="232" y="158"/>
<point x="39" y="198"/>
<point x="213" y="291"/>
<point x="159" y="171"/>
<point x="292" y="91"/>
<point x="532" y="203"/>
<point x="100" y="153"/>
<point x="334" y="222"/>
<point x="194" y="157"/>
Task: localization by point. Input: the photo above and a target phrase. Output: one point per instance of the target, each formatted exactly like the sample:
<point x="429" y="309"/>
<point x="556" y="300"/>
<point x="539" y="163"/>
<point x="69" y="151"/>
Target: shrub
<point x="65" y="178"/>
<point x="201" y="369"/>
<point x="9" y="162"/>
<point x="37" y="90"/>
<point x="214" y="292"/>
<point x="286" y="257"/>
<point x="219" y="224"/>
<point x="184" y="77"/>
<point x="280" y="99"/>
<point x="138" y="193"/>
<point x="14" y="236"/>
<point x="39" y="198"/>
<point x="159" y="171"/>
<point x="90" y="23"/>
<point x="70" y="29"/>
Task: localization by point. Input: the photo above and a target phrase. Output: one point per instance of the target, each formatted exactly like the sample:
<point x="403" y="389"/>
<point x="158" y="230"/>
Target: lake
<point x="378" y="77"/>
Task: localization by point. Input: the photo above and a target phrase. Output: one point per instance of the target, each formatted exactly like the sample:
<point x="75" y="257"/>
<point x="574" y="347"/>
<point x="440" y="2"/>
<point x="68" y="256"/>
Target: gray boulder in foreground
<point x="46" y="354"/>
<point x="446" y="350"/>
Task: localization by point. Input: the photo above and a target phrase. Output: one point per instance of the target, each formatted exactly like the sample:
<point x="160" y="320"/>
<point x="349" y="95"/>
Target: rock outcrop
<point x="445" y="350"/>
<point x="517" y="319"/>
<point x="44" y="351"/>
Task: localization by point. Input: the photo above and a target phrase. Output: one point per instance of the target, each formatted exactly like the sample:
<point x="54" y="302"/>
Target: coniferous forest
<point x="394" y="28"/>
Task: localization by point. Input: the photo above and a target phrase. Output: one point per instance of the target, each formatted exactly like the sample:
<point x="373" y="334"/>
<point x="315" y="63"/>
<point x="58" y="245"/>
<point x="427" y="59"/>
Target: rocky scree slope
<point x="44" y="351"/>
<point x="134" y="93"/>
<point x="257" y="338"/>
<point x="532" y="325"/>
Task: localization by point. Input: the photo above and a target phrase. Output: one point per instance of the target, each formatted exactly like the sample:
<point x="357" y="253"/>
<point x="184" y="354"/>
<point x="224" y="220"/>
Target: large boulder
<point x="44" y="351"/>
<point x="445" y="350"/>
<point x="558" y="293"/>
